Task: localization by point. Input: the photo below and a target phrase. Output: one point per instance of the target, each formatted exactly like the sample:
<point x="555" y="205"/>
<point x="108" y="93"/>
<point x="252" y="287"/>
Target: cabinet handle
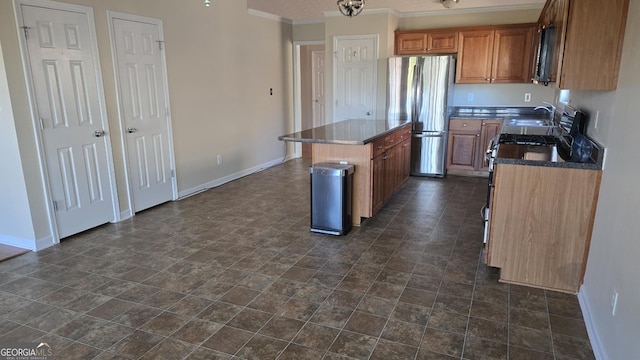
<point x="477" y="135"/>
<point x="488" y="79"/>
<point x="464" y="125"/>
<point x="379" y="147"/>
<point x="384" y="157"/>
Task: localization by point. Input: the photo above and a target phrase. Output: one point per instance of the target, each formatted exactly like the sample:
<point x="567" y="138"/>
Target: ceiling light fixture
<point x="448" y="3"/>
<point x="350" y="8"/>
<point x="207" y="3"/>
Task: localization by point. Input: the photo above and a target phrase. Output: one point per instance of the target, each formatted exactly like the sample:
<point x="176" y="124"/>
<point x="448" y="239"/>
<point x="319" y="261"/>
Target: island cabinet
<point x="540" y="224"/>
<point x="381" y="167"/>
<point x="588" y="41"/>
<point x="468" y="141"/>
<point x="419" y="42"/>
<point x="497" y="54"/>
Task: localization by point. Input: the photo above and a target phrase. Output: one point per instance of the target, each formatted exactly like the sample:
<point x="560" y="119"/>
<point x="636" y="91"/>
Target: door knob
<point x="368" y="113"/>
<point x="98" y="133"/>
<point x="131" y="130"/>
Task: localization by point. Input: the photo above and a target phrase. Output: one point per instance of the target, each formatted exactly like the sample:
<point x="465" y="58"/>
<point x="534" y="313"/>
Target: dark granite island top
<point x="347" y="132"/>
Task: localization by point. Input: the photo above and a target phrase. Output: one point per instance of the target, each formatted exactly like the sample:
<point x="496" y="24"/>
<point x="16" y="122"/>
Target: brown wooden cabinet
<point x="468" y="141"/>
<point x="390" y="166"/>
<point x="588" y="42"/>
<point x="540" y="224"/>
<point x="499" y="54"/>
<point x="426" y="42"/>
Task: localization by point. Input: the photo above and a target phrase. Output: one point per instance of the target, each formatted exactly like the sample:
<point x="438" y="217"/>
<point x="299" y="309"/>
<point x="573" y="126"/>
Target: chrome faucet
<point x="550" y="108"/>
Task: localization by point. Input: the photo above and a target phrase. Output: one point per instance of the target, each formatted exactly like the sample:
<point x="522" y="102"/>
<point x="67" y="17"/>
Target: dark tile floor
<point x="235" y="273"/>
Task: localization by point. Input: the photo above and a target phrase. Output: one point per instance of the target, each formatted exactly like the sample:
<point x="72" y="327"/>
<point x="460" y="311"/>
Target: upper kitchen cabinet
<point x="497" y="54"/>
<point x="426" y="42"/>
<point x="588" y="44"/>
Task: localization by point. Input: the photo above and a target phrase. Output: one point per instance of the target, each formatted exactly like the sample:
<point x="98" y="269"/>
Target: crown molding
<point x="269" y="16"/>
<point x="476" y="10"/>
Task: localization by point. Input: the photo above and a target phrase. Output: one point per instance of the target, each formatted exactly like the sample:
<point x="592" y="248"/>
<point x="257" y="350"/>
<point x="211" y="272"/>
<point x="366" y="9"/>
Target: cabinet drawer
<point x="378" y="147"/>
<point x="403" y="134"/>
<point x="389" y="141"/>
<point x="465" y="125"/>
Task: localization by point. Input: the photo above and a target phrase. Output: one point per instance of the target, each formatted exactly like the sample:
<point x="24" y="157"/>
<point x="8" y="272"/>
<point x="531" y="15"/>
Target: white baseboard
<point x="126" y="214"/>
<point x="290" y="157"/>
<point x="28" y="244"/>
<point x="228" y="178"/>
<point x="592" y="330"/>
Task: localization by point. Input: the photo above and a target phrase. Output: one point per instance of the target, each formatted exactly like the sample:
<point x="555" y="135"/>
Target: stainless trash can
<point x="331" y="189"/>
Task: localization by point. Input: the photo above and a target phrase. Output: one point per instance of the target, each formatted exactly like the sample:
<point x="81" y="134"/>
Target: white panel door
<point x="144" y="111"/>
<point x="317" y="87"/>
<point x="355" y="77"/>
<point x="69" y="106"/>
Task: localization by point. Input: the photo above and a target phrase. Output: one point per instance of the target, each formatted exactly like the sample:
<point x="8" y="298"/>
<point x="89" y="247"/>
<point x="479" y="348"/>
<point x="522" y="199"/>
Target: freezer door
<point x="428" y="151"/>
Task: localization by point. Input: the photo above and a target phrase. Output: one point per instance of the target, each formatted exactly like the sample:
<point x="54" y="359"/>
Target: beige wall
<point x="221" y="64"/>
<point x="615" y="245"/>
<point x="15" y="219"/>
<point x="309" y="31"/>
<point x="501" y="94"/>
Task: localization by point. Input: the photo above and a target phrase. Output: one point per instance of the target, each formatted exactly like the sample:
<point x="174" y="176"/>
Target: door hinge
<point x="41" y="123"/>
<point x="160" y="44"/>
<point x="173" y="173"/>
<point x="26" y="31"/>
<point x="55" y="205"/>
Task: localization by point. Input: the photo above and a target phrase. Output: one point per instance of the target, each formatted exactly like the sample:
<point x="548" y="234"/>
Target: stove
<point x="527" y="139"/>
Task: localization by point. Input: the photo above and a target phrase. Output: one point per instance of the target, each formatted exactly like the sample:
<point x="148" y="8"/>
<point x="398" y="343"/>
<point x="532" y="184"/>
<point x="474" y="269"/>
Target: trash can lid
<point x="332" y="169"/>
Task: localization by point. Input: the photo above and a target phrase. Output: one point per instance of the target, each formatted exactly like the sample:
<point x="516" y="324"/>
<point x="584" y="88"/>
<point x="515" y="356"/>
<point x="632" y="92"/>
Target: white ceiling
<point x="315" y="9"/>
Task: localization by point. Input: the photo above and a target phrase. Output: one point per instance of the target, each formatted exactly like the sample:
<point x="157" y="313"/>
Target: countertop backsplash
<point x="503" y="95"/>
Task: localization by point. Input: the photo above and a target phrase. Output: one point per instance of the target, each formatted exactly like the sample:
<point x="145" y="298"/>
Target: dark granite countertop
<point x="595" y="164"/>
<point x="347" y="132"/>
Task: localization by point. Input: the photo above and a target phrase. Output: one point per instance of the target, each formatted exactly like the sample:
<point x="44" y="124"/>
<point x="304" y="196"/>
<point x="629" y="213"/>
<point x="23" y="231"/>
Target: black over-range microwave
<point x="545" y="55"/>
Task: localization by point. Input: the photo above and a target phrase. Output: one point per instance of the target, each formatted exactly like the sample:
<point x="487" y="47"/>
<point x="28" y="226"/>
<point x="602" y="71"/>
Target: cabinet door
<point x="405" y="159"/>
<point x="512" y="55"/>
<point x="462" y="150"/>
<point x="411" y="43"/>
<point x="377" y="179"/>
<point x="442" y="42"/>
<point x="475" y="51"/>
<point x="489" y="130"/>
<point x="390" y="172"/>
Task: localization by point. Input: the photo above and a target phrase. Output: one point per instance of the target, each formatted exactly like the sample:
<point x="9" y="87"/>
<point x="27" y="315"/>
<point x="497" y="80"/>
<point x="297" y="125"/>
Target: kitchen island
<point x="380" y="151"/>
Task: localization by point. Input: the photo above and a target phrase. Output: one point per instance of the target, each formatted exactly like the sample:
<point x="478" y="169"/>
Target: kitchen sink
<point x="529" y="122"/>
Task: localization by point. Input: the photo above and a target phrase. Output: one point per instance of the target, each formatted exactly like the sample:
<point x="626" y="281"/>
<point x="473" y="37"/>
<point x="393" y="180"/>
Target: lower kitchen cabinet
<point x="468" y="141"/>
<point x="390" y="169"/>
<point x="540" y="224"/>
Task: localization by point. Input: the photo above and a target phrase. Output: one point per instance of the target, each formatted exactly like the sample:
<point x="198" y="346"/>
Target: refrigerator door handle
<point x="419" y="84"/>
<point x="414" y="93"/>
<point x="430" y="134"/>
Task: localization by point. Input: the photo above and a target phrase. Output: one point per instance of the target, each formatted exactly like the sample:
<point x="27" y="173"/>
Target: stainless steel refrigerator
<point x="418" y="89"/>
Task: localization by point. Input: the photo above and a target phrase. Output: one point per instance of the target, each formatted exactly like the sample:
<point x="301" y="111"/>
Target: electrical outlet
<point x="219" y="158"/>
<point x="527" y="97"/>
<point x="614" y="302"/>
<point x="595" y="122"/>
<point x="470" y="97"/>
